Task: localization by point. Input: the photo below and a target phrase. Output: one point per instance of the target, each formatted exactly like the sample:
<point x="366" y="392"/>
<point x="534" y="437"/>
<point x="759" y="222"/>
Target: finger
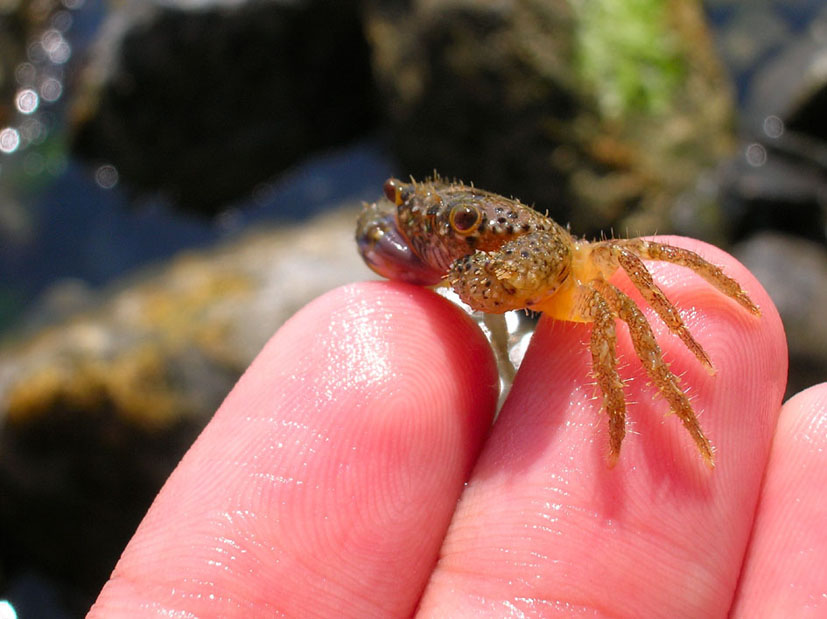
<point x="326" y="481"/>
<point x="785" y="571"/>
<point x="546" y="526"/>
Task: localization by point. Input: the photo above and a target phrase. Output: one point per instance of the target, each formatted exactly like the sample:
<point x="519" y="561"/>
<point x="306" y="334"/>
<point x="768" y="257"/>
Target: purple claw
<point x="387" y="252"/>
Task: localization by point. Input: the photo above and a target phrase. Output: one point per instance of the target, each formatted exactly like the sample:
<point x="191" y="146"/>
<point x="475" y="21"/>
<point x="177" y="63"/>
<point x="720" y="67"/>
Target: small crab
<point x="501" y="255"/>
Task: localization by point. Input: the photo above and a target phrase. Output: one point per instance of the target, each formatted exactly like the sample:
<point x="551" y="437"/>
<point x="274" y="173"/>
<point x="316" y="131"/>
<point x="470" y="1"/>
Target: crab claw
<point x="386" y="250"/>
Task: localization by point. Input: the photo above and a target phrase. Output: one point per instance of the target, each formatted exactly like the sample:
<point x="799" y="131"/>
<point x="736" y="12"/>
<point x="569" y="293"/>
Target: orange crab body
<point x="500" y="255"/>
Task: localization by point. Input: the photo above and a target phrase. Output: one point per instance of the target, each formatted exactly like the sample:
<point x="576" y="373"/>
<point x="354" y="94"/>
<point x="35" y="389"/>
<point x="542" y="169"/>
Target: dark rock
<point x="767" y="189"/>
<point x="737" y="25"/>
<point x="201" y="104"/>
<point x="525" y="99"/>
<point x="779" y="181"/>
<point x="96" y="410"/>
<point x="794" y="272"/>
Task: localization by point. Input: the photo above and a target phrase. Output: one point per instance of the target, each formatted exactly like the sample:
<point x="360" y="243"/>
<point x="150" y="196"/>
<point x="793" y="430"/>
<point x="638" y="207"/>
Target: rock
<point x="765" y="189"/>
<point x="737" y="25"/>
<point x="96" y="410"/>
<point x="794" y="272"/>
<point x="202" y="101"/>
<point x="598" y="113"/>
<point x="779" y="180"/>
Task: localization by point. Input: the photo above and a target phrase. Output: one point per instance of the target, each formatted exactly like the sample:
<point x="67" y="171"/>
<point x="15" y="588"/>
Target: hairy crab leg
<point x="650" y="355"/>
<point x="643" y="281"/>
<point x="604" y="366"/>
<point x="650" y="250"/>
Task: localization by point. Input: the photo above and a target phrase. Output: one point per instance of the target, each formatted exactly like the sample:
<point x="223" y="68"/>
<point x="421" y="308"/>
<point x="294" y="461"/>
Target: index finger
<point x="326" y="481"/>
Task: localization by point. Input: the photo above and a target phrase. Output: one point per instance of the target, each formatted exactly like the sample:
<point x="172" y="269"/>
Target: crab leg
<point x="650" y="250"/>
<point x="651" y="357"/>
<point x="642" y="279"/>
<point x="604" y="366"/>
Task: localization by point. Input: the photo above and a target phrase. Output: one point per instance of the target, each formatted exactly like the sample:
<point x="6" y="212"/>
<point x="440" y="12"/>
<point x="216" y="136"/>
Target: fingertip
<point x="552" y="508"/>
<point x="331" y="470"/>
<point x="785" y="568"/>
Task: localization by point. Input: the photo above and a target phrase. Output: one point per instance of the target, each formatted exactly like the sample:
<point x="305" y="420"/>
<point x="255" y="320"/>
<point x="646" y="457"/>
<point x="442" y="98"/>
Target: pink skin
<point x="328" y="482"/>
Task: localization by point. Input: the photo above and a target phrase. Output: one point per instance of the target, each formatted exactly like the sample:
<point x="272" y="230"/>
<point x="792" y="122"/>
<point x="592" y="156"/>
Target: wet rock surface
<point x="794" y="272"/>
<point x="779" y="179"/>
<point x="773" y="192"/>
<point x="202" y="101"/>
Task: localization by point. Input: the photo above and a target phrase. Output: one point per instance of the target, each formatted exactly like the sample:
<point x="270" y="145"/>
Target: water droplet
<point x="51" y="89"/>
<point x="9" y="140"/>
<point x="56" y="47"/>
<point x="106" y="176"/>
<point x="32" y="130"/>
<point x="773" y="126"/>
<point x="756" y="155"/>
<point x="26" y="101"/>
<point x="62" y="20"/>
<point x="35" y="52"/>
<point x="25" y="73"/>
<point x="7" y="610"/>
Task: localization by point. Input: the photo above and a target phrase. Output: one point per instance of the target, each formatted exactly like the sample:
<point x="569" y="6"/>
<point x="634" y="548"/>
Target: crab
<point x="499" y="255"/>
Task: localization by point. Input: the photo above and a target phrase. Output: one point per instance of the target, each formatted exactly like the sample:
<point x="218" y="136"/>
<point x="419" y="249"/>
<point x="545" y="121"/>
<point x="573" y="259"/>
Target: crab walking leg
<point x="650" y="250"/>
<point x="650" y="355"/>
<point x="604" y="366"/>
<point x="642" y="279"/>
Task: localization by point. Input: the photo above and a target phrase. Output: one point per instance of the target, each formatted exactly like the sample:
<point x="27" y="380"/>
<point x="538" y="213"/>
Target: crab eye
<point x="465" y="218"/>
<point x="393" y="191"/>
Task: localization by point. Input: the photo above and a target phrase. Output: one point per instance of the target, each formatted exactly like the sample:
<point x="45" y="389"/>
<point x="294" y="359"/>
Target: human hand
<point x="352" y="472"/>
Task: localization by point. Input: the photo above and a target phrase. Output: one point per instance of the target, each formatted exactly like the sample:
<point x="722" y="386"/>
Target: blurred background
<point x="178" y="177"/>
